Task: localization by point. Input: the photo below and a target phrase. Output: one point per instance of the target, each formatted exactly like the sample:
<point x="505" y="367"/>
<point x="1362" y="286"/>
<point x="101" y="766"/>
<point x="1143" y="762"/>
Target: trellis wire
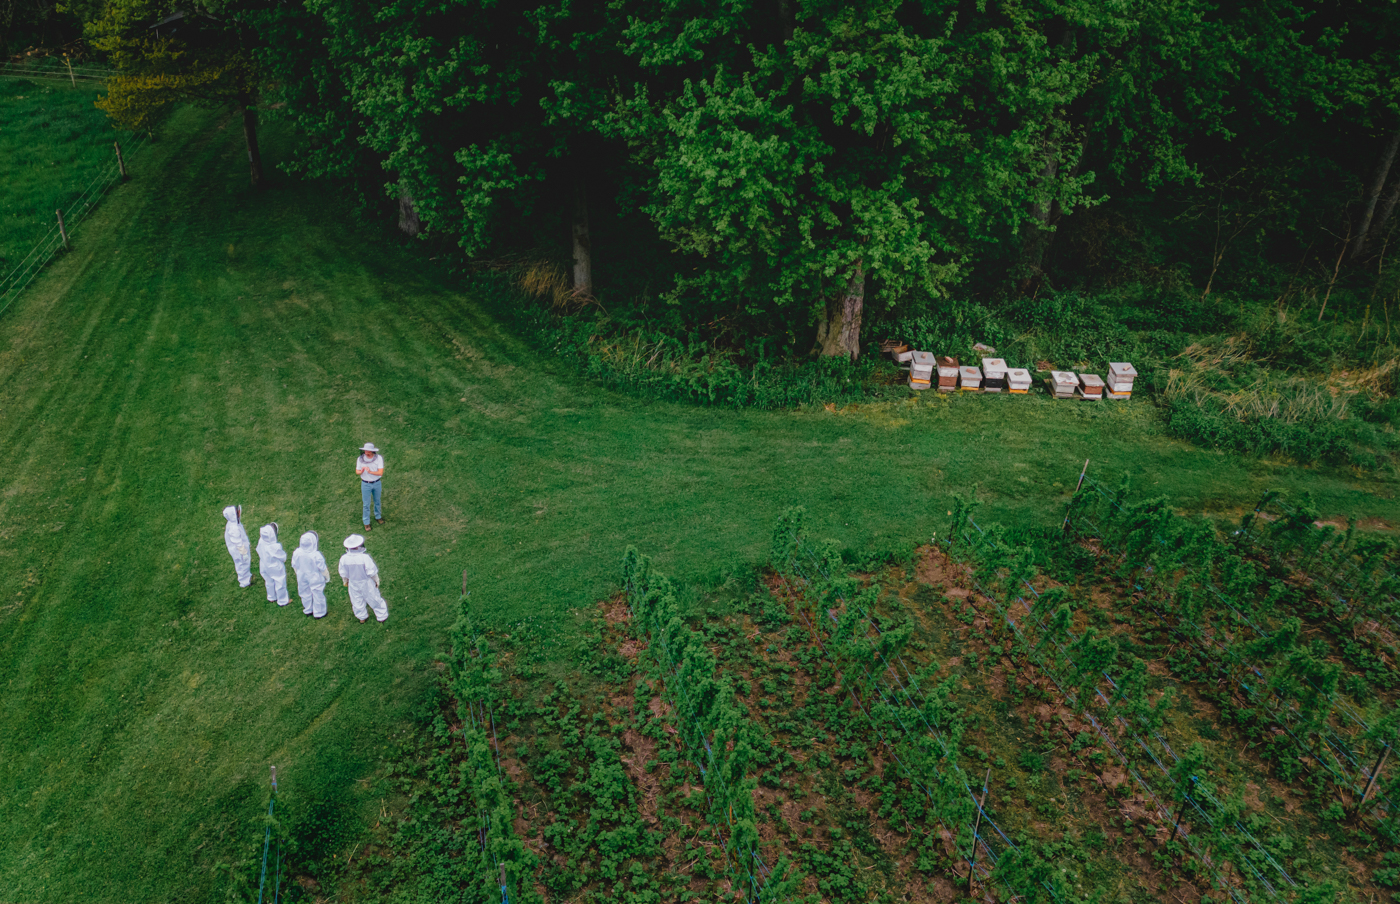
<point x="753" y="873"/>
<point x="1334" y="743"/>
<point x="1236" y="893"/>
<point x="986" y="842"/>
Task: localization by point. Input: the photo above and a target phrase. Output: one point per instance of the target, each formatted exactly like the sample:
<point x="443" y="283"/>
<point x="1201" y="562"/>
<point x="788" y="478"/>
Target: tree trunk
<point x="1373" y="193"/>
<point x="583" y="253"/>
<point x="1387" y="208"/>
<point x="1037" y="237"/>
<point x="787" y="22"/>
<point x="838" y="331"/>
<point x="250" y="135"/>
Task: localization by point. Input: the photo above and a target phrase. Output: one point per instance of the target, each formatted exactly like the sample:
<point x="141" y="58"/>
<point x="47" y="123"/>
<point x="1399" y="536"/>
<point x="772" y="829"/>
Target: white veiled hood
<point x="310" y="542"/>
<point x="231" y="513"/>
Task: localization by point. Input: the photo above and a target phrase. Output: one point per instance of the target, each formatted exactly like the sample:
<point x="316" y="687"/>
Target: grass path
<point x="204" y="345"/>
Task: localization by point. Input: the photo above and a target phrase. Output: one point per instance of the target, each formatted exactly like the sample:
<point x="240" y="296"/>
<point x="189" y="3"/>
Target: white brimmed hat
<point x="354" y="541"/>
<point x="369" y="447"/>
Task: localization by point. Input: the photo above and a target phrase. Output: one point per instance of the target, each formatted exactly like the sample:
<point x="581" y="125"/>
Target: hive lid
<point x="1121" y="369"/>
<point x="993" y="365"/>
<point x="1091" y="381"/>
<point x="1018" y="373"/>
<point x="1064" y="377"/>
<point x="923" y="358"/>
<point x="970" y="373"/>
<point x="945" y="361"/>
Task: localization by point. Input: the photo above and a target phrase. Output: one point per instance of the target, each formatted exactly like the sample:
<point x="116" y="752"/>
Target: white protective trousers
<point x="236" y="539"/>
<point x="312" y="575"/>
<point x="272" y="565"/>
<point x="361" y="575"/>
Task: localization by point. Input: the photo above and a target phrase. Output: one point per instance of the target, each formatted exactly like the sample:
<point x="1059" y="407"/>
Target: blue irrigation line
<point x="267" y="836"/>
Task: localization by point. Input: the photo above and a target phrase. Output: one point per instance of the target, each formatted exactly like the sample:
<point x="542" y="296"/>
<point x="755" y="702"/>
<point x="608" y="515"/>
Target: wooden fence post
<point x="63" y="233"/>
<point x="69" y="63"/>
<point x="121" y="164"/>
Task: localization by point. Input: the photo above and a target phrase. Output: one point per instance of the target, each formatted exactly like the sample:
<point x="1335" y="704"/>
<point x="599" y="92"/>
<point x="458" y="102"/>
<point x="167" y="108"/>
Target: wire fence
<point x="52" y="73"/>
<point x="58" y="236"/>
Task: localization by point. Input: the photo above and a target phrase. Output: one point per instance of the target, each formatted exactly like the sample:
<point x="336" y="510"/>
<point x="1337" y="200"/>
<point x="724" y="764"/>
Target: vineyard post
<point x="1082" y="473"/>
<point x="63" y="233"/>
<point x="1375" y="774"/>
<point x="69" y="63"/>
<point x="121" y="164"/>
<point x="1176" y="823"/>
<point x="976" y="824"/>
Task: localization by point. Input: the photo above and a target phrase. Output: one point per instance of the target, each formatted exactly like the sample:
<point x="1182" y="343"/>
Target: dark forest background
<point x="736" y="202"/>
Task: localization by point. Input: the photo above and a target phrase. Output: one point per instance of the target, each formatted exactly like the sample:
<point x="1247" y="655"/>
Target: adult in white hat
<point x="312" y="575"/>
<point x="272" y="565"/>
<point x="370" y="466"/>
<point x="361" y="575"/>
<point x="236" y="539"/>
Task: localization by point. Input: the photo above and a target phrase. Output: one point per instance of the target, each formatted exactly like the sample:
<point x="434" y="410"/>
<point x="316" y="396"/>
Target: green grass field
<point x="204" y="345"/>
<point x="53" y="143"/>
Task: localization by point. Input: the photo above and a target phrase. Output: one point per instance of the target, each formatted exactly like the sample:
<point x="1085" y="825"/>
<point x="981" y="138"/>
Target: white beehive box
<point x="993" y="374"/>
<point x="1063" y="383"/>
<point x="1120" y="380"/>
<point x="904" y="357"/>
<point x="1091" y="387"/>
<point x="1018" y="380"/>
<point x="971" y="377"/>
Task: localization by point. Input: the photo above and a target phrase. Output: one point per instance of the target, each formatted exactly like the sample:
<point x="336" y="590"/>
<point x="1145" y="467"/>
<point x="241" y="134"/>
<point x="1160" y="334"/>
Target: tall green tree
<point x="166" y="55"/>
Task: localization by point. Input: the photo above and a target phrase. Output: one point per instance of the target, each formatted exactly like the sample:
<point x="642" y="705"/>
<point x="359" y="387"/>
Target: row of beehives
<point x="995" y="376"/>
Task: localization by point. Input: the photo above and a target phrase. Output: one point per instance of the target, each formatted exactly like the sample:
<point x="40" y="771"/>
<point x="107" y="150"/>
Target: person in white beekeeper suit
<point x="312" y="575"/>
<point x="361" y="575"/>
<point x="272" y="565"/>
<point x="236" y="539"/>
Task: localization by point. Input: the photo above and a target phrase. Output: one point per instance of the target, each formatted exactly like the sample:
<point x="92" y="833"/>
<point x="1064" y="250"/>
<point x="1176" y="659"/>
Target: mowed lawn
<point x="53" y="144"/>
<point x="205" y="345"/>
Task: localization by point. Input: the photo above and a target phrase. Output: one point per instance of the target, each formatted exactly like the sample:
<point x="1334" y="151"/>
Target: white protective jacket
<point x="361" y="575"/>
<point x="236" y="539"/>
<point x="312" y="575"/>
<point x="272" y="565"/>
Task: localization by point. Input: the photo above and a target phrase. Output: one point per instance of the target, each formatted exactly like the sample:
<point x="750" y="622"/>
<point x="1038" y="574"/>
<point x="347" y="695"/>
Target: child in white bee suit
<point x="361" y="575"/>
<point x="236" y="539"/>
<point x="312" y="575"/>
<point x="272" y="565"/>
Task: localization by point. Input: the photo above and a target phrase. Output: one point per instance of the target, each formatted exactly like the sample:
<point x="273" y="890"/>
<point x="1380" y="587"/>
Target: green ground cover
<point x="203" y="345"/>
<point x="53" y="143"/>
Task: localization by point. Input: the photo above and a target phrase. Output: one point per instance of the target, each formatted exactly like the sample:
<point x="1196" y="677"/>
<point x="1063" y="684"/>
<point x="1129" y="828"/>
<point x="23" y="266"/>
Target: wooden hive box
<point x="1090" y="387"/>
<point x="971" y="378"/>
<point x="1018" y="380"/>
<point x="993" y="374"/>
<point x="947" y="373"/>
<point x="1063" y="383"/>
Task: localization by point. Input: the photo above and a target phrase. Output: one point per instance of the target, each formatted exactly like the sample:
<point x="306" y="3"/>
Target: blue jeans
<point x="370" y="491"/>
